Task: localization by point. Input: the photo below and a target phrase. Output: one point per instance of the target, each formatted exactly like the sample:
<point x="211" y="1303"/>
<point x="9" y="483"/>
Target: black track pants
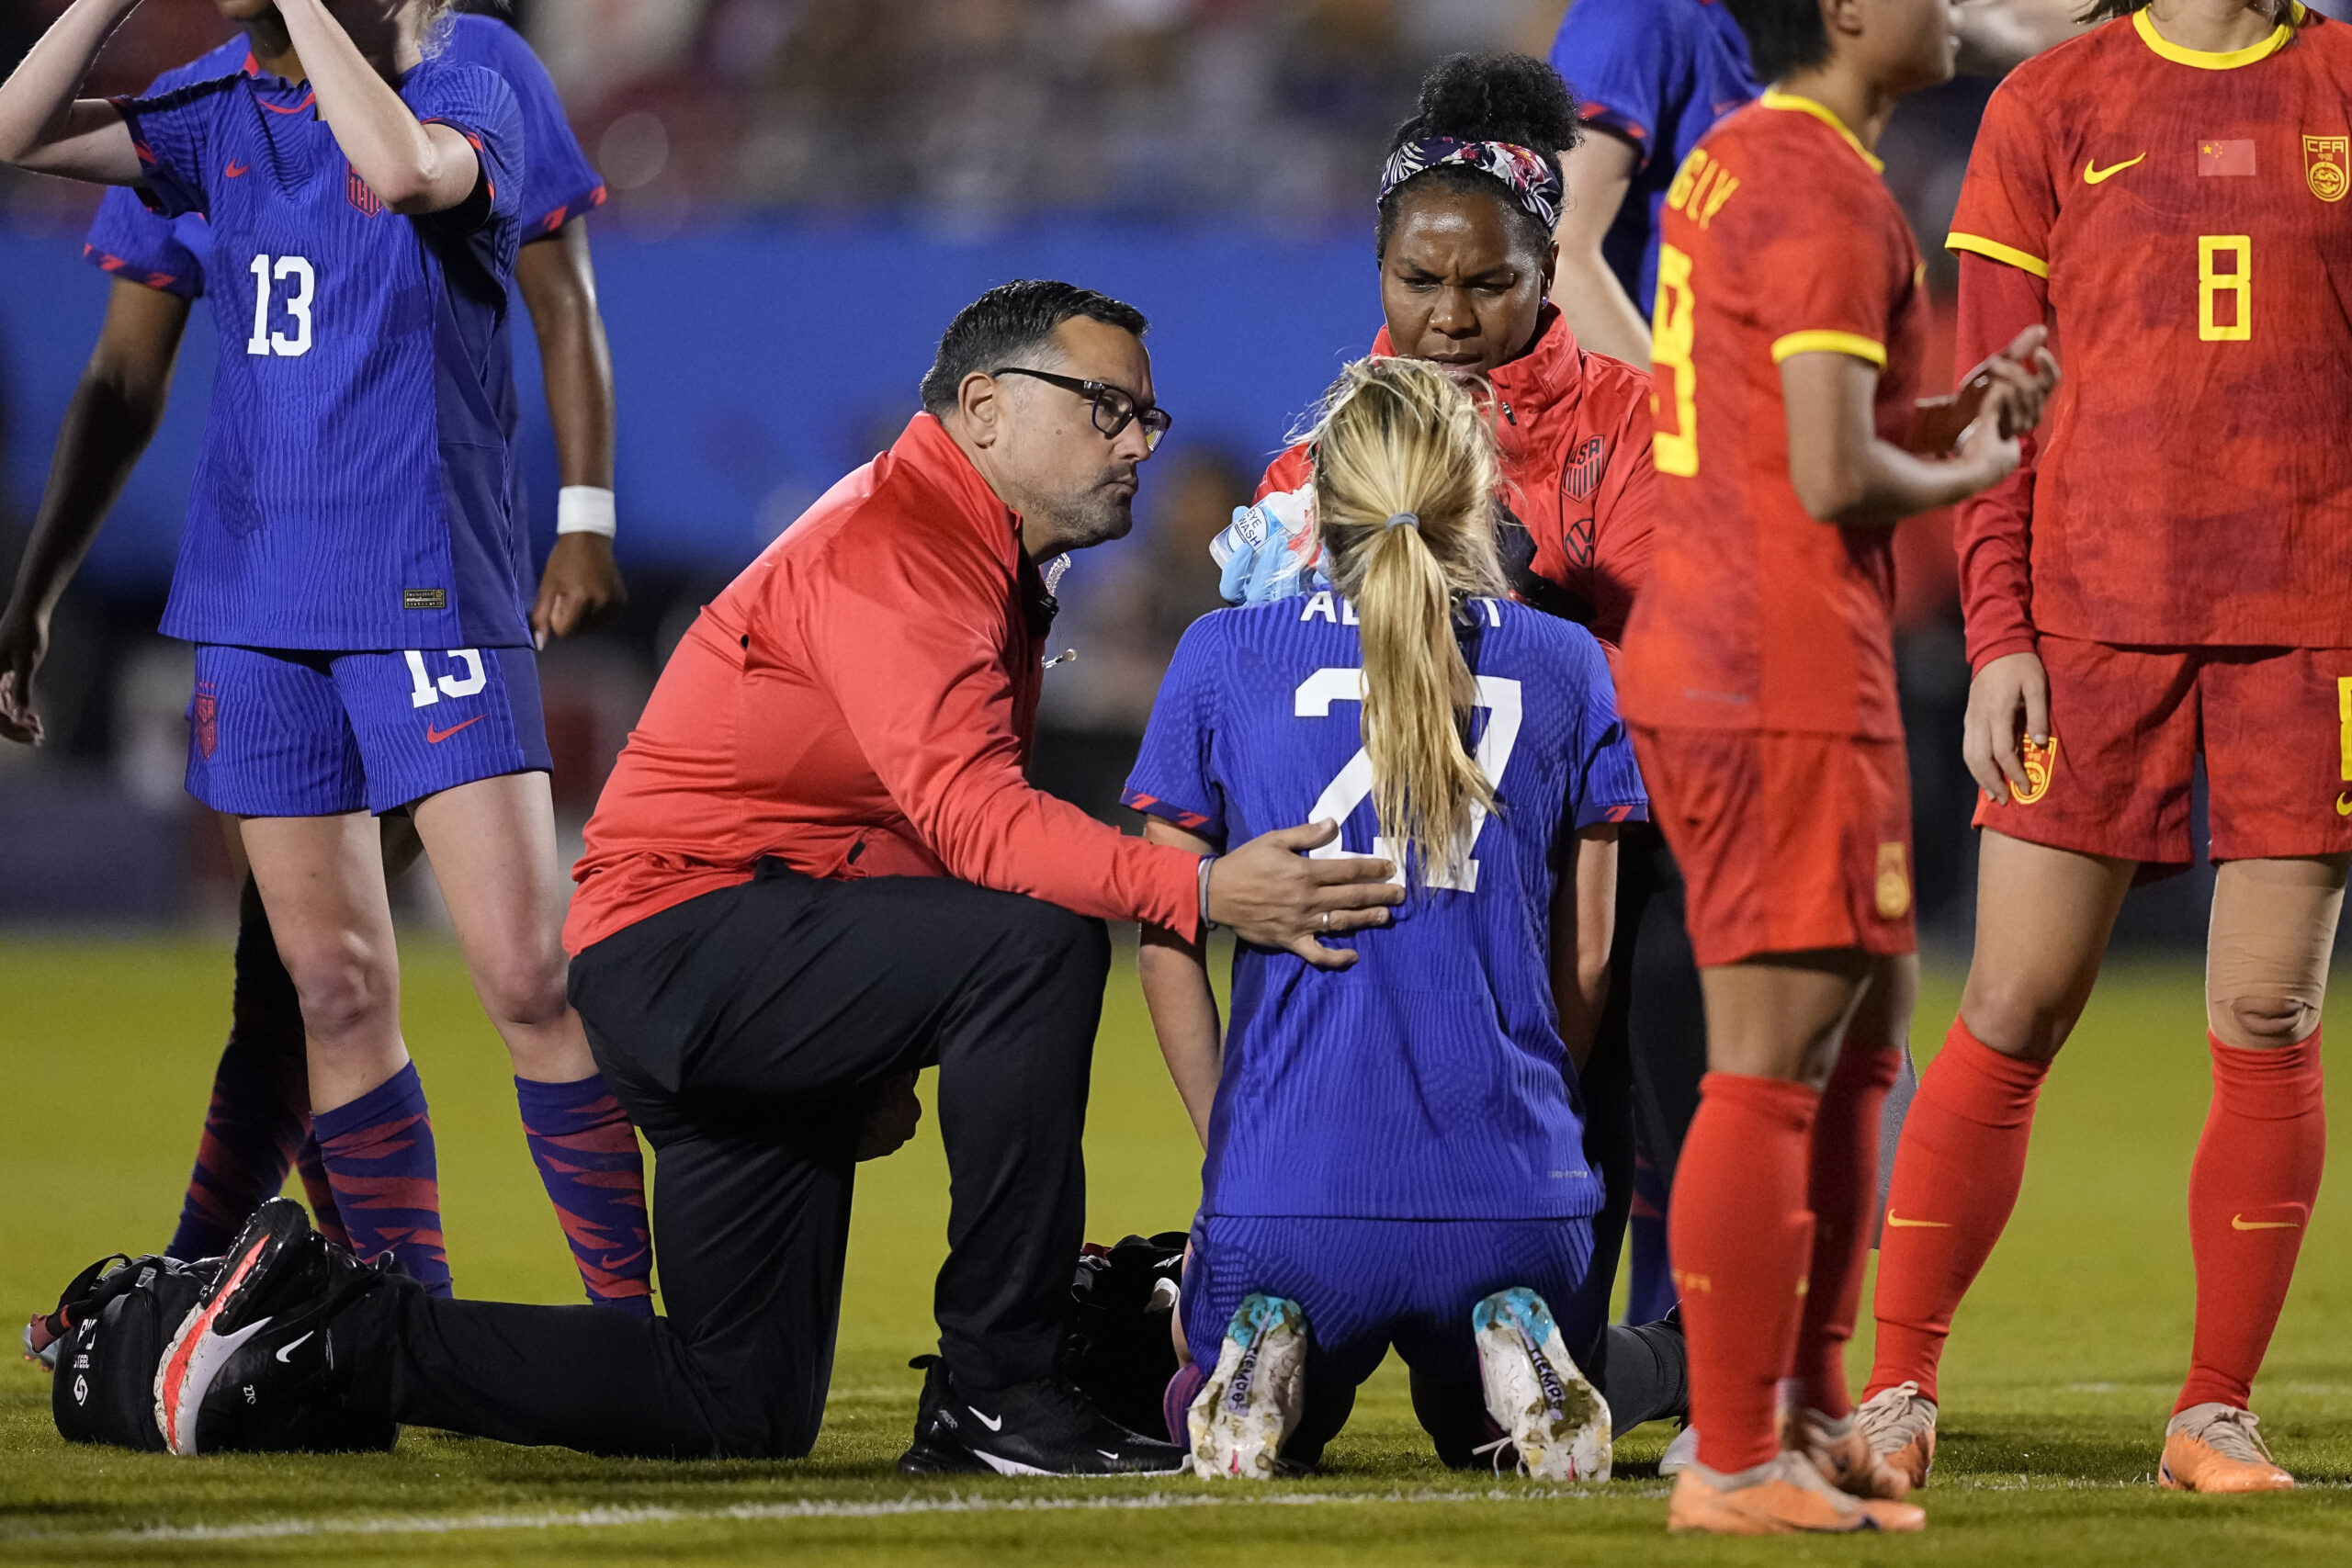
<point x="745" y="1030"/>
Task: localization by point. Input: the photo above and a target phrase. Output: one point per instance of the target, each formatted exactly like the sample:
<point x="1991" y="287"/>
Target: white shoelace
<point x="1894" y="1417"/>
<point x="2231" y="1434"/>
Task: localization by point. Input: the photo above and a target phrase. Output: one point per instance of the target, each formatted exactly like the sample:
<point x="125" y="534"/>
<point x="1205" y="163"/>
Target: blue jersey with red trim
<point x="1428" y="1080"/>
<point x="1660" y="74"/>
<point x="128" y="241"/>
<point x="354" y="491"/>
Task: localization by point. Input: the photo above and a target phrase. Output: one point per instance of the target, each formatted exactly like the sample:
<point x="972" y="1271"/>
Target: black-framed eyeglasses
<point x="1114" y="408"/>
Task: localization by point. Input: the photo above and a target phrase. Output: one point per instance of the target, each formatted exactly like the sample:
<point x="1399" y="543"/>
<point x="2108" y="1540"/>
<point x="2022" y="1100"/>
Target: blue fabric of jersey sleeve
<point x="1174" y="778"/>
<point x="560" y="183"/>
<point x="127" y="241"/>
<point x="477" y="103"/>
<point x="175" y="133"/>
<point x="1609" y="784"/>
<point x="1628" y="61"/>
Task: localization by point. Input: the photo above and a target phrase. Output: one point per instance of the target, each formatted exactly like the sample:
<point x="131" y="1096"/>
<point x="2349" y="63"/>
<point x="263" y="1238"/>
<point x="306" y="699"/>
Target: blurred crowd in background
<point x="754" y="130"/>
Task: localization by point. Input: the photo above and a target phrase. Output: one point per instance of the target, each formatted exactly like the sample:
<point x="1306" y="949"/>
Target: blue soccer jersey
<point x="129" y="241"/>
<point x="1659" y="73"/>
<point x="354" y="491"/>
<point x="1428" y="1081"/>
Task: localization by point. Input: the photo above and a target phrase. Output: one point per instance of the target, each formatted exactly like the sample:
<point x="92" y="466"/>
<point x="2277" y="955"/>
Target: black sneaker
<point x="1046" y="1427"/>
<point x="257" y="1366"/>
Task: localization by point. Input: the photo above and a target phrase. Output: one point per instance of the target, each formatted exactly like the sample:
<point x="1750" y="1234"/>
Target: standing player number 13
<point x="1499" y="695"/>
<point x="269" y="271"/>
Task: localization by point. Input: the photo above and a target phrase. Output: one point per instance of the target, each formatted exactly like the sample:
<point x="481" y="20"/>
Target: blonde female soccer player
<point x="1395" y="1148"/>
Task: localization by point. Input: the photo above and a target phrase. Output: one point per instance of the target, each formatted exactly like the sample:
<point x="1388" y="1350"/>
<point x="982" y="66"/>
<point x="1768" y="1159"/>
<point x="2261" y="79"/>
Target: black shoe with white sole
<point x="262" y="1363"/>
<point x="1046" y="1427"/>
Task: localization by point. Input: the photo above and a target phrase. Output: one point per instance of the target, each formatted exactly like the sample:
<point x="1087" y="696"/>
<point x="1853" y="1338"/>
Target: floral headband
<point x="1532" y="184"/>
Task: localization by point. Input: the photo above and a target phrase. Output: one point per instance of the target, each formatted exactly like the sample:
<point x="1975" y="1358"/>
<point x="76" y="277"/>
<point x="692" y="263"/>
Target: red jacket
<point x="861" y="702"/>
<point x="1576" y="469"/>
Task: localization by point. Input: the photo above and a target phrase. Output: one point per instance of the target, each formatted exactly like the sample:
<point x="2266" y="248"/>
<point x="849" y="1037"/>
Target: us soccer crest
<point x="2327" y="165"/>
<point x="207" y="715"/>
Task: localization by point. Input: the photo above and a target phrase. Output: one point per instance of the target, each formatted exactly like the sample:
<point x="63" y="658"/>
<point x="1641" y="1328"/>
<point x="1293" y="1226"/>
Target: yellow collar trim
<point x="2206" y="59"/>
<point x="1777" y="99"/>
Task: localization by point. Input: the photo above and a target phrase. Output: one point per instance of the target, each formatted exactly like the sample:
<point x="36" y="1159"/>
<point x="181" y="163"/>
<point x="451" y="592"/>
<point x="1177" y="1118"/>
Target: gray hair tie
<point x="1404" y="519"/>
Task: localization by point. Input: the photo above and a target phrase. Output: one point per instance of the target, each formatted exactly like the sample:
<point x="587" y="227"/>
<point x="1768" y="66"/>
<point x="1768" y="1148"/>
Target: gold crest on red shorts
<point x="1894" y="888"/>
<point x="2327" y="165"/>
<point x="2041" y="762"/>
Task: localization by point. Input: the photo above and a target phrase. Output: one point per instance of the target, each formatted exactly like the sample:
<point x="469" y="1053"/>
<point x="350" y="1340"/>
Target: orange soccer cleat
<point x="2214" y="1448"/>
<point x="1784" y="1496"/>
<point x="1899" y="1424"/>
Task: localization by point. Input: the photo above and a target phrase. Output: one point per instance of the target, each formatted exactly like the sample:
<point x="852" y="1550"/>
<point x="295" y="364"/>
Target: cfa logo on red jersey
<point x="2327" y="165"/>
<point x="2041" y="762"/>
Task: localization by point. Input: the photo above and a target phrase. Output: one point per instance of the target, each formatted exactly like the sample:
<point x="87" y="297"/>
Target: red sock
<point x="1740" y="1237"/>
<point x="2250" y="1195"/>
<point x="1956" y="1176"/>
<point x="1843" y="1190"/>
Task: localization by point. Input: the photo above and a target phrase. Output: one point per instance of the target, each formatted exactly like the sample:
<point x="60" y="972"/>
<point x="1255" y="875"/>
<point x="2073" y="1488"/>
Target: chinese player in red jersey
<point x="1759" y="670"/>
<point x="2167" y="579"/>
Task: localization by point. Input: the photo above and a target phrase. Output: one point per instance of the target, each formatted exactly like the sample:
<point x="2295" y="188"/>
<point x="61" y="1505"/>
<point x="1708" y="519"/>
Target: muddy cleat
<point x="1557" y="1420"/>
<point x="1250" y="1407"/>
<point x="1844" y="1456"/>
<point x="259" y="1364"/>
<point x="1784" y="1496"/>
<point x="1045" y="1428"/>
<point x="42" y="1335"/>
<point x="2214" y="1448"/>
<point x="1900" y="1425"/>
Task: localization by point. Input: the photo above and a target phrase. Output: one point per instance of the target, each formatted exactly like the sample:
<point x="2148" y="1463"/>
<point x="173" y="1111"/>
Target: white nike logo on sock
<point x="993" y="1423"/>
<point x="291" y="1346"/>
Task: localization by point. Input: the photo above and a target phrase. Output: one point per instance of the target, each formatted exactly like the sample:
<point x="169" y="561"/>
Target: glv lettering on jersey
<point x="2327" y="165"/>
<point x="424" y="598"/>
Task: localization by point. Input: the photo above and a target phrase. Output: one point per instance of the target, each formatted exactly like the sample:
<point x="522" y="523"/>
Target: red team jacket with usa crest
<point x="1577" y="481"/>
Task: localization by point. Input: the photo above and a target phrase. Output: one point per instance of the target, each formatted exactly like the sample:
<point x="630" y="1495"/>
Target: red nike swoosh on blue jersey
<point x="234" y="169"/>
<point x="434" y="737"/>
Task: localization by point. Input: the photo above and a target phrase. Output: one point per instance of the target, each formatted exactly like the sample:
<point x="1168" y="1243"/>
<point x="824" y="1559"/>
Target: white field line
<point x="747" y="1513"/>
<point x="814" y="1508"/>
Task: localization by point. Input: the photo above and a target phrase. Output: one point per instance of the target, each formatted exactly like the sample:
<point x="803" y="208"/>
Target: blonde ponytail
<point x="1405" y="478"/>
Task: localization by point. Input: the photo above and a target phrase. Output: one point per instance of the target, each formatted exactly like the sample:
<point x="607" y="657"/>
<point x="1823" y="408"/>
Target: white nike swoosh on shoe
<point x="993" y="1423"/>
<point x="291" y="1346"/>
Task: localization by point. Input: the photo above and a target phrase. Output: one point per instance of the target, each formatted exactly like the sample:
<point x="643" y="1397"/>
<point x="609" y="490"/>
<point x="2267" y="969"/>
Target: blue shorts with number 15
<point x="293" y="733"/>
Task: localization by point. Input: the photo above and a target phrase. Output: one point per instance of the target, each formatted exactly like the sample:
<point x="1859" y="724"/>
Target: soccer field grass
<point x="2066" y="1361"/>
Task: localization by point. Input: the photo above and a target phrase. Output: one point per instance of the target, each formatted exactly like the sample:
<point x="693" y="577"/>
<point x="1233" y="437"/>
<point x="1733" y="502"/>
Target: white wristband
<point x="584" y="509"/>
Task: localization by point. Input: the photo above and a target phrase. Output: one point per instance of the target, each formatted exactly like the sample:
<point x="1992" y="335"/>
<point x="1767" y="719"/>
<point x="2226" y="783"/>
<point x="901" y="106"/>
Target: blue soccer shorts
<point x="1364" y="1285"/>
<point x="290" y="733"/>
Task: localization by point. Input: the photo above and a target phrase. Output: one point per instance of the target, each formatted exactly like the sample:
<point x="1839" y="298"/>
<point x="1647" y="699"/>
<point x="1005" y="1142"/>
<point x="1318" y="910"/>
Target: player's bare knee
<point x="2018" y="1017"/>
<point x="2261" y="1023"/>
<point x="523" y="989"/>
<point x="341" y="994"/>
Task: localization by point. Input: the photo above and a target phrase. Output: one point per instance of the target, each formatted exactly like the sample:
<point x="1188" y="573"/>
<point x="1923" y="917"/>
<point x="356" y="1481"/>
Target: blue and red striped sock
<point x="255" y="1121"/>
<point x="320" y="1190"/>
<point x="378" y="1155"/>
<point x="586" y="1152"/>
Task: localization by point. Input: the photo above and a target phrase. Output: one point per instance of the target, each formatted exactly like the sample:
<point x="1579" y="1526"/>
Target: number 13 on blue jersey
<point x="1499" y="695"/>
<point x="293" y="270"/>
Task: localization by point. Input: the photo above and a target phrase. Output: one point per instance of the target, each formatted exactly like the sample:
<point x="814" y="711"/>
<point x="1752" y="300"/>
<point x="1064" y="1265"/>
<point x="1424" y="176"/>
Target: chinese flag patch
<point x="2225" y="157"/>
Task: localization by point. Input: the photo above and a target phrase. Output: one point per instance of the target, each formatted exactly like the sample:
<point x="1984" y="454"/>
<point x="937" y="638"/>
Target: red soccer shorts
<point x="2275" y="726"/>
<point x="1789" y="841"/>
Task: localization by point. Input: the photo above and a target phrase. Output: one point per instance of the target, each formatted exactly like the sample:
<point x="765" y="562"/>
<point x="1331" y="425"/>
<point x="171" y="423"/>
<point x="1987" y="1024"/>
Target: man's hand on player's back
<point x="1272" y="895"/>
